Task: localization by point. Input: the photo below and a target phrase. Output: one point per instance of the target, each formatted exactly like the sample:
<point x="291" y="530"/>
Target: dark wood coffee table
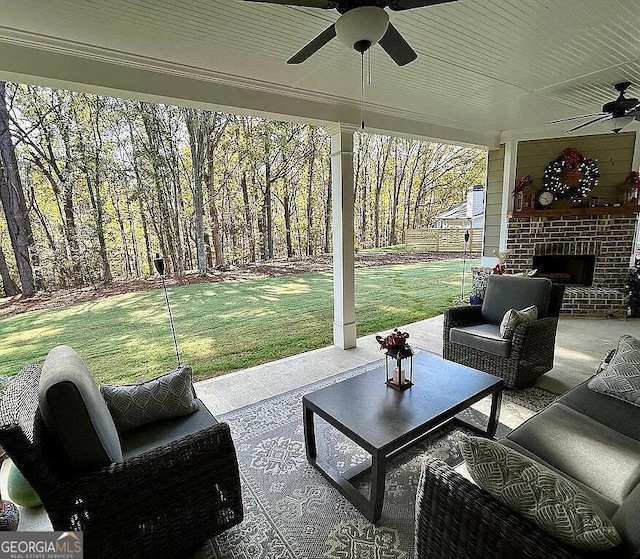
<point x="384" y="421"/>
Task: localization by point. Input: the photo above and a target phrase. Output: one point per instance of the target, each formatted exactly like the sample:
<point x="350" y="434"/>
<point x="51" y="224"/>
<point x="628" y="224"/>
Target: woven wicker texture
<point x="163" y="503"/>
<point x="532" y="345"/>
<point x="455" y="519"/>
<point x="549" y="500"/>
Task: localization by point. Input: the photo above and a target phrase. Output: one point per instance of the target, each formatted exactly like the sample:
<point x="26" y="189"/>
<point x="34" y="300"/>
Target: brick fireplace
<point x="604" y="241"/>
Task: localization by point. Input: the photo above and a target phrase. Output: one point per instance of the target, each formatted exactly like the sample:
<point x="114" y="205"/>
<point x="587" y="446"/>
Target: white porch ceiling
<point x="485" y="68"/>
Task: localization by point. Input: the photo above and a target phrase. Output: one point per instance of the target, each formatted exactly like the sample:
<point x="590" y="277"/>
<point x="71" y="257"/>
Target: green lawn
<point x="225" y="326"/>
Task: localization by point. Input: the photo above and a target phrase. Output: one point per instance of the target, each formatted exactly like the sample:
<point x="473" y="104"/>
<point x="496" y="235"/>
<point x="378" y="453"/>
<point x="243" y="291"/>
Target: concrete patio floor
<point x="580" y="346"/>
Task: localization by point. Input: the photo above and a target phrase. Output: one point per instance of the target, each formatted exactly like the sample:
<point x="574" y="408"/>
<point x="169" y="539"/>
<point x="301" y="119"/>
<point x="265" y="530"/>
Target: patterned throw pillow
<point x="512" y="318"/>
<point x="169" y="395"/>
<point x="621" y="377"/>
<point x="545" y="498"/>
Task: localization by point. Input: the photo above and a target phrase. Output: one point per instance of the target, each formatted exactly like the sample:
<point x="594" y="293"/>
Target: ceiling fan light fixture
<point x="618" y="123"/>
<point x="359" y="26"/>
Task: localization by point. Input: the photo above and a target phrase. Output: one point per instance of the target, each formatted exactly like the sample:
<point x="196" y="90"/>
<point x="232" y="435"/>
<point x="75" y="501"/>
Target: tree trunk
<point x="198" y="129"/>
<point x="287" y="221"/>
<point x="216" y="240"/>
<point x="312" y="159"/>
<point x="95" y="191"/>
<point x="248" y="217"/>
<point x="398" y="180"/>
<point x="266" y="209"/>
<point x="13" y="202"/>
<point x="8" y="285"/>
<point x="382" y="167"/>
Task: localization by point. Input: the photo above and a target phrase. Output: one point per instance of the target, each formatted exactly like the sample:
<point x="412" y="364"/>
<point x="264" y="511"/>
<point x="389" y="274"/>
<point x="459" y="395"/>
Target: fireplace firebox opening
<point x="568" y="269"/>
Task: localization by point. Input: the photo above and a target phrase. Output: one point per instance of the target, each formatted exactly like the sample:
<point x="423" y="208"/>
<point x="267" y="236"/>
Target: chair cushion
<point x="621" y="377"/>
<point x="611" y="412"/>
<point x="484" y="337"/>
<point x="165" y="431"/>
<point x="511" y="292"/>
<point x="550" y="501"/>
<point x="584" y="449"/>
<point x="512" y="318"/>
<point x="75" y="413"/>
<point x="169" y="395"/>
<point x="627" y="521"/>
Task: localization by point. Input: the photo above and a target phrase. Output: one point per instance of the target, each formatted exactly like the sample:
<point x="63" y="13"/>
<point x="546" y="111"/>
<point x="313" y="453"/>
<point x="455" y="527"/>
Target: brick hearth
<point x="609" y="238"/>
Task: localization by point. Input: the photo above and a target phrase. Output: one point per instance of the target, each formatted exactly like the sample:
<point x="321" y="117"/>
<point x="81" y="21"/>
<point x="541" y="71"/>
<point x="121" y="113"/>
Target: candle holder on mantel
<point x="397" y="349"/>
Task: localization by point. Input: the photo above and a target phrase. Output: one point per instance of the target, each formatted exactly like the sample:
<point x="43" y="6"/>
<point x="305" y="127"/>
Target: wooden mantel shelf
<point x="611" y="210"/>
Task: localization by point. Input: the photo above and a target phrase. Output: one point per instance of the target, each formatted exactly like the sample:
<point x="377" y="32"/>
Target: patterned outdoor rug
<point x="291" y="511"/>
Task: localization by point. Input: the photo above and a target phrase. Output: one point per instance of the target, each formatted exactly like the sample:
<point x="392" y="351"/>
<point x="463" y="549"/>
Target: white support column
<point x="509" y="181"/>
<point x="342" y="186"/>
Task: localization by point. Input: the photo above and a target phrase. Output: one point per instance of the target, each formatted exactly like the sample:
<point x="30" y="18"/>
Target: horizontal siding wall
<point x="493" y="211"/>
<point x="614" y="154"/>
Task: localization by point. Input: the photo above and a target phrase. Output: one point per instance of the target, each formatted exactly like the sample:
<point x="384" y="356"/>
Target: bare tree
<point x="13" y="202"/>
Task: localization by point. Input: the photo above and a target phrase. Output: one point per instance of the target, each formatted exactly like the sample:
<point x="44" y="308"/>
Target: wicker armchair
<point x="162" y="503"/>
<point x="455" y="519"/>
<point x="529" y="354"/>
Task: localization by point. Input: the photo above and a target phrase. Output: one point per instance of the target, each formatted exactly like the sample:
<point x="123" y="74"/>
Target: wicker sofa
<point x="590" y="438"/>
<point x="160" y="490"/>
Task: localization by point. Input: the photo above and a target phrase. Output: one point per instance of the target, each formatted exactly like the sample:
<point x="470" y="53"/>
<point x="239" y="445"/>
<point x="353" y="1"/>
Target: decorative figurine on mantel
<point x="523" y="194"/>
<point x="631" y="193"/>
<point x="397" y="348"/>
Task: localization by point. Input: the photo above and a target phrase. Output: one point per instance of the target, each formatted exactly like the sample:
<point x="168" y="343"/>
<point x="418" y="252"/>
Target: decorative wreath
<point x="571" y="175"/>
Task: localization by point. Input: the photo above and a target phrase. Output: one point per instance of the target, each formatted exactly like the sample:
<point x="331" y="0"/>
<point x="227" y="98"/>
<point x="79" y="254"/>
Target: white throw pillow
<point x="512" y="318"/>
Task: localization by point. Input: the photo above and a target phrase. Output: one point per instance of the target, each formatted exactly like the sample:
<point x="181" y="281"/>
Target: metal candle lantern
<point x="397" y="349"/>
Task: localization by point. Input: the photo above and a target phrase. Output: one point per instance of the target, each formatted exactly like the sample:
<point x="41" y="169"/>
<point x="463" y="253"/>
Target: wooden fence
<point x="443" y="240"/>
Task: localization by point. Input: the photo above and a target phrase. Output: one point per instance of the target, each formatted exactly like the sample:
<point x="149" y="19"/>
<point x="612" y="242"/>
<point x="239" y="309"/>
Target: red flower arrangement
<point x="523" y="183"/>
<point x="633" y="178"/>
<point x="396" y="344"/>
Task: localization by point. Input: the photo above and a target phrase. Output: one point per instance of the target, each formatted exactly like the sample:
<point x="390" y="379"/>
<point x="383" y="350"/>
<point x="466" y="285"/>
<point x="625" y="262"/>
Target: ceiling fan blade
<point x="396" y="47"/>
<point x="308" y="3"/>
<point x="605" y="117"/>
<point x="315" y="45"/>
<point x="399" y="5"/>
<point x="575" y="118"/>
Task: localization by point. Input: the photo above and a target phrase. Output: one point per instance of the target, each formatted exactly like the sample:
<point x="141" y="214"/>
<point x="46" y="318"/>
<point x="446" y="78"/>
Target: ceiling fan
<point x="361" y="25"/>
<point x="622" y="111"/>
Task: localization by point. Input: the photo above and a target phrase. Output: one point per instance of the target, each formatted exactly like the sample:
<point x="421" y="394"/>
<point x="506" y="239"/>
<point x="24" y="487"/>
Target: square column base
<point x="344" y="335"/>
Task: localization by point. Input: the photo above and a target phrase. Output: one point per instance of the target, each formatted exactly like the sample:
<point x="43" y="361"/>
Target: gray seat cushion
<point x="484" y="337"/>
<point x="514" y="292"/>
<point x="75" y="413"/>
<point x="165" y="431"/>
<point x="615" y="414"/>
<point x="627" y="521"/>
<point x="587" y="451"/>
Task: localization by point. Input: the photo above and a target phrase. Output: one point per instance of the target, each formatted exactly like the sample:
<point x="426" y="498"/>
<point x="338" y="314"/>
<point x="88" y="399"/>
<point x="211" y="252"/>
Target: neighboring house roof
<point x="458" y="212"/>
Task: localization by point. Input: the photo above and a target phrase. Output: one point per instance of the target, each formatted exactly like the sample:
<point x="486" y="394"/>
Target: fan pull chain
<point x="362" y="90"/>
